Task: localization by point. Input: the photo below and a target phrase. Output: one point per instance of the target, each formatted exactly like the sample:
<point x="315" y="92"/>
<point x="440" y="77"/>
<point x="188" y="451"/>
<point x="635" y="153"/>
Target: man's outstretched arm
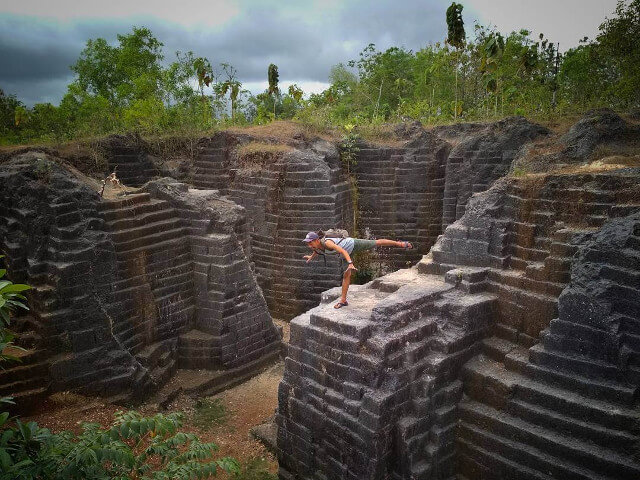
<point x="308" y="258"/>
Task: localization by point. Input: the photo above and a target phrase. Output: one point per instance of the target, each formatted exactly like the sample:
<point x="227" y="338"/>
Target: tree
<point x="385" y="79"/>
<point x="8" y="106"/>
<point x="295" y="92"/>
<point x="273" y="90"/>
<point x="493" y="50"/>
<point x="455" y="37"/>
<point x="205" y="76"/>
<point x="231" y="85"/>
<point x="619" y="44"/>
<point x="122" y="73"/>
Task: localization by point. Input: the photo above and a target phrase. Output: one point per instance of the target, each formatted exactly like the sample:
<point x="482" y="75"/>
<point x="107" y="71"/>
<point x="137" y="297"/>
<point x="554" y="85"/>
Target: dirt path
<point x="245" y="406"/>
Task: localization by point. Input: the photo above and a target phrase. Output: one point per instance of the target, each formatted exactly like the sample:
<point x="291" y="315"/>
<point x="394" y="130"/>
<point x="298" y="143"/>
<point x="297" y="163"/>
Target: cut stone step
<point x="569" y="450"/>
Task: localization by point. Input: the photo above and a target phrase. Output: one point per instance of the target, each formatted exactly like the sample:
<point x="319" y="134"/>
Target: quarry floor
<point x="247" y="405"/>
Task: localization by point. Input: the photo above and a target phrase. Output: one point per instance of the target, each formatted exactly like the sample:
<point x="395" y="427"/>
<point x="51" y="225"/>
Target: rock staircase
<point x="370" y="390"/>
<point x="132" y="166"/>
<point x="520" y="421"/>
<point x="550" y="384"/>
<point x="152" y="297"/>
<point x="231" y="327"/>
<point x="57" y="244"/>
<point x="211" y="167"/>
<point x="551" y="398"/>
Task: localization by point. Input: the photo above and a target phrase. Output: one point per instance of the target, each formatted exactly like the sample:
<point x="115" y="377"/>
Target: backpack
<point x="334" y="233"/>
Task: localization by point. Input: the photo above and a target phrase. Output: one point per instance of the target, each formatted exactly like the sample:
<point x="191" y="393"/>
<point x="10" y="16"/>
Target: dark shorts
<point x="360" y="245"/>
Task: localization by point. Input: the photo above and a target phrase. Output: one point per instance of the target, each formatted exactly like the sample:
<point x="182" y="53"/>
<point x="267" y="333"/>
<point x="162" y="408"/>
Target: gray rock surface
<point x="464" y="365"/>
<point x="129" y="289"/>
<point x="596" y="127"/>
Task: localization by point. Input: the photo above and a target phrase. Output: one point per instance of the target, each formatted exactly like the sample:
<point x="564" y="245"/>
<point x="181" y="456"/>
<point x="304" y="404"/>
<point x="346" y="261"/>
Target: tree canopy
<point x="129" y="85"/>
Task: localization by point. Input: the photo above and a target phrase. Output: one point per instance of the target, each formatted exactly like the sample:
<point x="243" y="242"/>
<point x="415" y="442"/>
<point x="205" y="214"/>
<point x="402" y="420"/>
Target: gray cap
<point x="311" y="236"/>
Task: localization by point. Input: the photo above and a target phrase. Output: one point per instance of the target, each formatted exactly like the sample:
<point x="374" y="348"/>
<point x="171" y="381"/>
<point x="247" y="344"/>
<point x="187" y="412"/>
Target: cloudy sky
<point x="40" y="39"/>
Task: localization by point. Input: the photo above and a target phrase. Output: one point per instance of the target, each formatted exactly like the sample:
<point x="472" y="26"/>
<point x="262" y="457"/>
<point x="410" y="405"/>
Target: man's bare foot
<point x="341" y="304"/>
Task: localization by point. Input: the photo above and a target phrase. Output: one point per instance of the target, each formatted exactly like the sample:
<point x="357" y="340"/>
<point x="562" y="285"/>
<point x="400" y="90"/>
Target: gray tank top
<point x="346" y="243"/>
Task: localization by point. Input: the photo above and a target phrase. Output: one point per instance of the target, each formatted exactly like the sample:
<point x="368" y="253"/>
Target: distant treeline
<point x="126" y="87"/>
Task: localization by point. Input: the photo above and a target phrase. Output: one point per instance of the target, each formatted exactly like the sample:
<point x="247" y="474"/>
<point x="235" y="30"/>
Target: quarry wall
<point x="126" y="290"/>
<point x="172" y="272"/>
<point x="510" y="351"/>
<point x="401" y="192"/>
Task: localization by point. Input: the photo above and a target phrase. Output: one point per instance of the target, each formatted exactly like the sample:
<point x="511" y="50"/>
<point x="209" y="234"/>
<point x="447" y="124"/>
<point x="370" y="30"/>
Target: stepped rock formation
<point x="480" y="159"/>
<point x="127" y="156"/>
<point x="510" y="351"/>
<point x="399" y="195"/>
<point x="126" y="290"/>
<point x="285" y="196"/>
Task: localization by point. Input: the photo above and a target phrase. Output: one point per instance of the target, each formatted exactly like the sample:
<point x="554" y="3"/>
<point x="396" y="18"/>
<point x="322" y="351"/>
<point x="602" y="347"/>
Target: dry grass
<point x="383" y="135"/>
<point x="279" y="131"/>
<point x="607" y="164"/>
<point x="262" y="148"/>
<point x="560" y="124"/>
<point x="617" y="149"/>
<point x="257" y="155"/>
<point x="65" y="399"/>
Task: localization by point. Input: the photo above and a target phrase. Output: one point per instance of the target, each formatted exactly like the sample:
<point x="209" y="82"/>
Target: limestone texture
<point x="125" y="290"/>
<point x="509" y="351"/>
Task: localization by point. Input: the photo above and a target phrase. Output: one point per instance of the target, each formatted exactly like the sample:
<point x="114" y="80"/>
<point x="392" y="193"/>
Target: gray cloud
<point x="303" y="38"/>
<point x="35" y="53"/>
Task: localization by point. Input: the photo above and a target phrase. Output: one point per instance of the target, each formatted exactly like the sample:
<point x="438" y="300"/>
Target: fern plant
<point x="11" y="299"/>
<point x="134" y="447"/>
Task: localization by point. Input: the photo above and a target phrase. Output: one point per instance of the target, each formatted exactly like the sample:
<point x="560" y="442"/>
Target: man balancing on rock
<point x="339" y="243"/>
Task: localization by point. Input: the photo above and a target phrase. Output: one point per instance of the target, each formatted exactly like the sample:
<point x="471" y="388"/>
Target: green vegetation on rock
<point x="486" y="75"/>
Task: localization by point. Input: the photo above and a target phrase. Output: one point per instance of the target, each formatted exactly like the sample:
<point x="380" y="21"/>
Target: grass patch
<point x="519" y="172"/>
<point x="208" y="413"/>
<point x="278" y="131"/>
<point x="255" y="468"/>
<point x="617" y="149"/>
<point x="257" y="155"/>
<point x="254" y="148"/>
<point x="65" y="399"/>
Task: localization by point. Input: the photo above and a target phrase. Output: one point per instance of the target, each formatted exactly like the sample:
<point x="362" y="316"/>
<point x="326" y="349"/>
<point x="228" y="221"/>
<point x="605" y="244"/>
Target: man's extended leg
<point x="383" y="242"/>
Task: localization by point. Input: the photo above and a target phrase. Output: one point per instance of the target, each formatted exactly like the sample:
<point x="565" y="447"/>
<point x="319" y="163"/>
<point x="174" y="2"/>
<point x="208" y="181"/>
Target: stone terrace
<point x="127" y="290"/>
<point x="463" y="366"/>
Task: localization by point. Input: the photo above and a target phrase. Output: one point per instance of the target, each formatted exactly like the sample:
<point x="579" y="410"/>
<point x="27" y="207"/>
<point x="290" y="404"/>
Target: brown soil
<point x="285" y="329"/>
<point x="282" y="131"/>
<point x="249" y="404"/>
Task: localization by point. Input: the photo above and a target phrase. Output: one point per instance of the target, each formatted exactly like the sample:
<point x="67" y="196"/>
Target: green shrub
<point x="256" y="468"/>
<point x="134" y="447"/>
<point x="209" y="412"/>
<point x="11" y="298"/>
